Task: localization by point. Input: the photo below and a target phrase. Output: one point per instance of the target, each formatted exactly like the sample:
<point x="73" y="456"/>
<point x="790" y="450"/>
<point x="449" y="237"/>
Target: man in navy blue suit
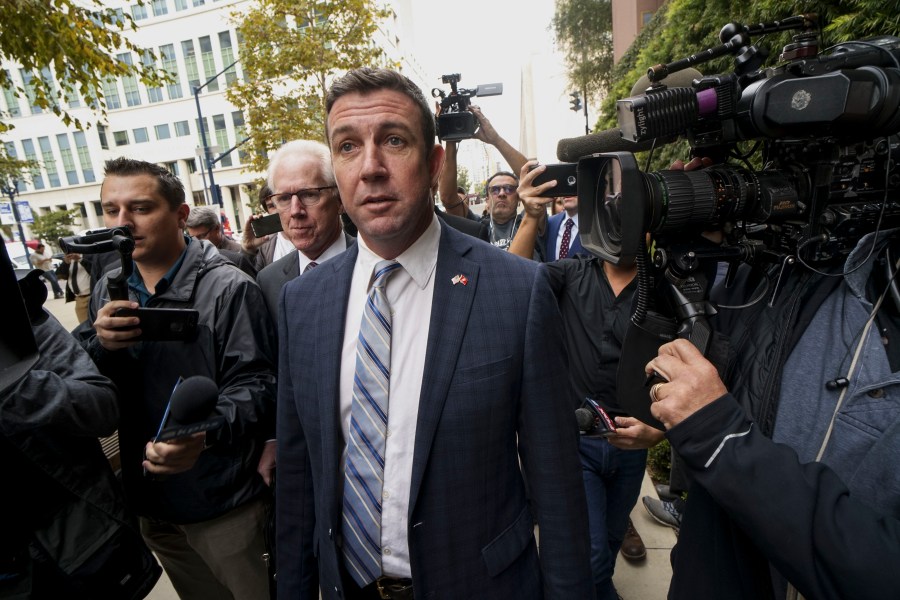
<point x="561" y="238"/>
<point x="468" y="392"/>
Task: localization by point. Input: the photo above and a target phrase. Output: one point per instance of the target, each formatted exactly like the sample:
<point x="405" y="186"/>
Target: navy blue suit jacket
<point x="554" y="222"/>
<point x="494" y="388"/>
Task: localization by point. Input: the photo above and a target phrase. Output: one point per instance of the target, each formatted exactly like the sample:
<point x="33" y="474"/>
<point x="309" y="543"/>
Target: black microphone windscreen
<point x="193" y="400"/>
<point x="585" y="419"/>
<point x="611" y="140"/>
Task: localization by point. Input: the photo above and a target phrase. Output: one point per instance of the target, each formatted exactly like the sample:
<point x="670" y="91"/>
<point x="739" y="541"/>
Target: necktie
<point x="312" y="265"/>
<point x="364" y="470"/>
<point x="566" y="239"/>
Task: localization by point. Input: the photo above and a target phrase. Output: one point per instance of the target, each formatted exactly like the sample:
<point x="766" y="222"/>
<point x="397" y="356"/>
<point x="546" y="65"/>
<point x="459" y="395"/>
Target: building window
<point x="198" y="3"/>
<point x="646" y="17"/>
<point x="12" y="103"/>
<point x="120" y="137"/>
<point x="222" y="138"/>
<point x="111" y="94"/>
<point x="28" y="81"/>
<point x="160" y="8"/>
<point x="129" y="83"/>
<point x="240" y="133"/>
<point x="101" y="133"/>
<point x="68" y="159"/>
<point x="141" y="135"/>
<point x="227" y="56"/>
<point x="170" y="66"/>
<point x="84" y="156"/>
<point x="190" y="63"/>
<point x="138" y="12"/>
<point x="206" y="130"/>
<point x="98" y="208"/>
<point x="154" y="94"/>
<point x="209" y="63"/>
<point x="172" y="167"/>
<point x="182" y="128"/>
<point x="11" y="152"/>
<point x="181" y="5"/>
<point x="162" y="131"/>
<point x="37" y="179"/>
<point x="49" y="161"/>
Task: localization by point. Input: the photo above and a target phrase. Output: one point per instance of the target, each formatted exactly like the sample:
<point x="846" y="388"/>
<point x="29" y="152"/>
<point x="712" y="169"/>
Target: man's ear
<point x="183" y="211"/>
<point x="435" y="163"/>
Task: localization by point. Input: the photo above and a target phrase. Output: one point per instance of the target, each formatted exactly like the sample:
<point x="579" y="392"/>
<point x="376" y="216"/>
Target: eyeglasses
<point x="307" y="196"/>
<point x="495" y="190"/>
<point x="204" y="235"/>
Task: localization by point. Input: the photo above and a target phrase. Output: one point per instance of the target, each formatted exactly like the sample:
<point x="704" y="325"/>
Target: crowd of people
<point x="398" y="386"/>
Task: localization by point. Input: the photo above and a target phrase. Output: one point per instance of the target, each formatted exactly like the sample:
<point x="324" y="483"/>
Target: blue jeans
<point x="612" y="483"/>
<point x="50" y="277"/>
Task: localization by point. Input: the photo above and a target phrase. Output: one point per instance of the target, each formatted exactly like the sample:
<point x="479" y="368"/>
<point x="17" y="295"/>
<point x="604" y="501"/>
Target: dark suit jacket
<point x="273" y="277"/>
<point x="476" y="229"/>
<point x="554" y="222"/>
<point x="494" y="390"/>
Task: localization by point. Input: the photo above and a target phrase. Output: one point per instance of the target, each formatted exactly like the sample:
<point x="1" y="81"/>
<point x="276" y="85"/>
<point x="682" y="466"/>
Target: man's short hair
<point x="461" y="190"/>
<point x="302" y="148"/>
<point x="203" y="216"/>
<point x="367" y="80"/>
<point x="264" y="192"/>
<point x="168" y="186"/>
<point x="487" y="186"/>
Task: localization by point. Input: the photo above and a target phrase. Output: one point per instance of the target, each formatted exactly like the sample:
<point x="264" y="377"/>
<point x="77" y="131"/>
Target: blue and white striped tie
<point x="364" y="470"/>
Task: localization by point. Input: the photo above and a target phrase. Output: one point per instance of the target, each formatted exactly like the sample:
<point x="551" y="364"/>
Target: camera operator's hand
<point x="250" y="243"/>
<point x="695" y="163"/>
<point x="173" y="456"/>
<point x="109" y="328"/>
<point x="485" y="132"/>
<point x="532" y="197"/>
<point x="71" y="257"/>
<point x="691" y="382"/>
<point x="632" y="434"/>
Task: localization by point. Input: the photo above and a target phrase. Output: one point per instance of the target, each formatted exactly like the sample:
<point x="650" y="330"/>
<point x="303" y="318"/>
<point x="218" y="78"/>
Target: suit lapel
<point x="552" y="231"/>
<point x="451" y="305"/>
<point x="329" y="341"/>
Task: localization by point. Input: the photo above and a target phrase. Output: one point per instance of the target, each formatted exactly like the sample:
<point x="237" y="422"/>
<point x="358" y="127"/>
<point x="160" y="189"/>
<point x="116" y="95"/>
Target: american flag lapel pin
<point x="460" y="278"/>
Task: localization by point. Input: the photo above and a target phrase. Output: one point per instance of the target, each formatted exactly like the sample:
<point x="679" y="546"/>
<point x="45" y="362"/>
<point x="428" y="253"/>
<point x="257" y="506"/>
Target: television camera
<point x="455" y="122"/>
<point x="824" y="129"/>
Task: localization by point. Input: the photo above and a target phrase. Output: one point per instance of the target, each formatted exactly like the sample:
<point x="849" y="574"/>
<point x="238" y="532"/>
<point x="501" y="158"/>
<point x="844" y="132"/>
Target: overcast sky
<point x="490" y="41"/>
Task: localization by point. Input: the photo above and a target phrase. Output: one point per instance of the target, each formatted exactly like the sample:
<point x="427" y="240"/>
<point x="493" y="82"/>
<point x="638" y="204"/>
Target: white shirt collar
<point x="336" y="247"/>
<point x="419" y="260"/>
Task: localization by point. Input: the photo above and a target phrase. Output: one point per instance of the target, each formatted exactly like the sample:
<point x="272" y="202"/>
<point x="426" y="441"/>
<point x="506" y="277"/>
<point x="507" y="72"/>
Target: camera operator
<point x="595" y="300"/>
<point x="794" y="468"/>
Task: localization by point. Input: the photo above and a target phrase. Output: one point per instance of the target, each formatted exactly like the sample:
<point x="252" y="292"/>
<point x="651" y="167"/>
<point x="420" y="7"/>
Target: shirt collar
<point x="419" y="260"/>
<point x="136" y="282"/>
<point x="336" y="247"/>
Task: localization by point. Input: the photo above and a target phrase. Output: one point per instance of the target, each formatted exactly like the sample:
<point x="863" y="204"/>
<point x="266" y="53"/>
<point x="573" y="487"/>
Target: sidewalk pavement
<point x="644" y="580"/>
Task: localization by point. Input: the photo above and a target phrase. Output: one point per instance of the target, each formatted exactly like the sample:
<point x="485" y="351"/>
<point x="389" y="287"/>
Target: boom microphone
<point x="571" y="149"/>
<point x="191" y="409"/>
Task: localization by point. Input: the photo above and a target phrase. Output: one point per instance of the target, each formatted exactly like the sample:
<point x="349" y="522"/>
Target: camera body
<point x="824" y="127"/>
<point x="455" y="122"/>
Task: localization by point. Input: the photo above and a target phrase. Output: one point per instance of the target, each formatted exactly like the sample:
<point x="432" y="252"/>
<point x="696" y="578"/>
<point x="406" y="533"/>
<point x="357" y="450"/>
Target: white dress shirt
<point x="409" y="291"/>
<point x="283" y="246"/>
<point x="562" y="231"/>
<point x="336" y="247"/>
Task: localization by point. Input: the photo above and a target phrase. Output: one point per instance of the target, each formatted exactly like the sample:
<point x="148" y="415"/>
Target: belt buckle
<point x="384" y="586"/>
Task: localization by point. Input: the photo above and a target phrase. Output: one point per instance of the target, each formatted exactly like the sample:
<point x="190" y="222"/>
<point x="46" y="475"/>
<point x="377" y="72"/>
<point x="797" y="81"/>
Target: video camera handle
<point x="99" y="241"/>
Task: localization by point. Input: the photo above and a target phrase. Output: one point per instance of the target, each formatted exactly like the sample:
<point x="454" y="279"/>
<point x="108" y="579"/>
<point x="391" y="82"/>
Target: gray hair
<point x="302" y="148"/>
<point x="203" y="216"/>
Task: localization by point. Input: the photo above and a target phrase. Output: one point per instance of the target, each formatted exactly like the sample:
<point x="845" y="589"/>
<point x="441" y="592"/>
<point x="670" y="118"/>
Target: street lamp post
<point x="11" y="189"/>
<point x="207" y="154"/>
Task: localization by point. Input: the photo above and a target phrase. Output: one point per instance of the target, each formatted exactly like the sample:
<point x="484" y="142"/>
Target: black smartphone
<point x="266" y="225"/>
<point x="564" y="174"/>
<point x="164" y="324"/>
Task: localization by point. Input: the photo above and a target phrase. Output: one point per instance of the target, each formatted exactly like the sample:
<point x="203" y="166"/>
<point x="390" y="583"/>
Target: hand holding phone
<point x="266" y="225"/>
<point x="163" y="324"/>
<point x="565" y="176"/>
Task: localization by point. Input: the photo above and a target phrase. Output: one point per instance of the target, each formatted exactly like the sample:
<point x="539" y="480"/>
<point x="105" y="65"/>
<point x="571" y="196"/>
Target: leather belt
<point x="390" y="588"/>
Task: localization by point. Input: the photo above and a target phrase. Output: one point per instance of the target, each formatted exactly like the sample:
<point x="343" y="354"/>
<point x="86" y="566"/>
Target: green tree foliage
<point x="290" y="52"/>
<point x="75" y="40"/>
<point x="462" y="178"/>
<point x="682" y="28"/>
<point x="54" y="225"/>
<point x="583" y="30"/>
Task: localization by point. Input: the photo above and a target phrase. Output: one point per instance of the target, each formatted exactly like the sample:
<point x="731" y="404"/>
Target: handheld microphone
<point x="191" y="409"/>
<point x="593" y="421"/>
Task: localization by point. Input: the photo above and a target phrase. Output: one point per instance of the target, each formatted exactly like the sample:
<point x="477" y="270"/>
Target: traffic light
<point x="575" y="102"/>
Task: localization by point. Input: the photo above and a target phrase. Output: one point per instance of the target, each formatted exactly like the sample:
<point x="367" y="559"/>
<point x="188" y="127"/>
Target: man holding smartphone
<point x="200" y="499"/>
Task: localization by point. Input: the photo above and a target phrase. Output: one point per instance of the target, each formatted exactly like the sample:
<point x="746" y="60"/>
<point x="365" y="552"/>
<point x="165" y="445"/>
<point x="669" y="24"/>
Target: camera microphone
<point x="585" y="420"/>
<point x="191" y="409"/>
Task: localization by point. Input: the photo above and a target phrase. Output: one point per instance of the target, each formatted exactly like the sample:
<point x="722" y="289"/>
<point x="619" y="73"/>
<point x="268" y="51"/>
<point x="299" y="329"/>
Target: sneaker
<point x="663" y="512"/>
<point x="58" y="296"/>
<point x="665" y="492"/>
<point x="632" y="545"/>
